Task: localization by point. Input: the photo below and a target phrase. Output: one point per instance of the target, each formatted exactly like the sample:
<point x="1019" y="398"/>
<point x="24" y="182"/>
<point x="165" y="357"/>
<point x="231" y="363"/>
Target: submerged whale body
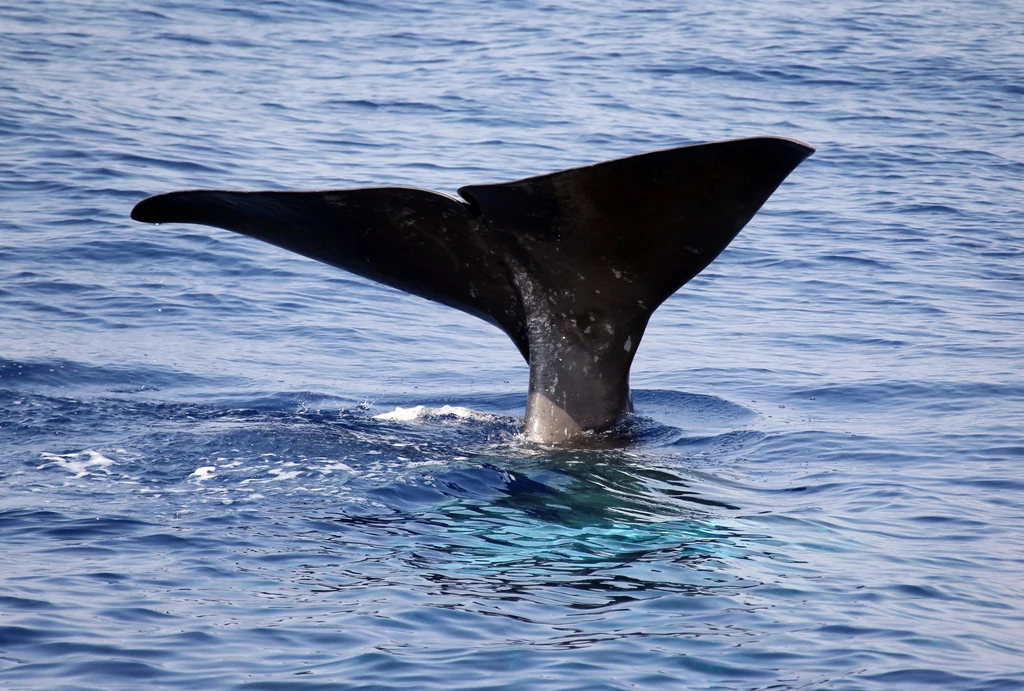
<point x="570" y="265"/>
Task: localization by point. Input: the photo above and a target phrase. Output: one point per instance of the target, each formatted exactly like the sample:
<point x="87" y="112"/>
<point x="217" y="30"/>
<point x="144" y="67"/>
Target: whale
<point x="570" y="265"/>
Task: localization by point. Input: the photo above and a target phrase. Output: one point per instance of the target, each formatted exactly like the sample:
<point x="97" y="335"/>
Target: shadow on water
<point x="601" y="489"/>
<point x="584" y="528"/>
<point x="566" y="533"/>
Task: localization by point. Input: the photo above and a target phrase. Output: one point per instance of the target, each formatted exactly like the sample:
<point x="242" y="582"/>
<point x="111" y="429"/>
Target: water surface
<point x="824" y="487"/>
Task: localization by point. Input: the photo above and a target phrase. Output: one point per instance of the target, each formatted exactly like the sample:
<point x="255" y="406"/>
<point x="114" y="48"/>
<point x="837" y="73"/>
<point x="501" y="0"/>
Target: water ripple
<point x="202" y="484"/>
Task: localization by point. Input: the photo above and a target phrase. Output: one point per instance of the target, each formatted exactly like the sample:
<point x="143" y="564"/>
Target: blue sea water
<point x="205" y="482"/>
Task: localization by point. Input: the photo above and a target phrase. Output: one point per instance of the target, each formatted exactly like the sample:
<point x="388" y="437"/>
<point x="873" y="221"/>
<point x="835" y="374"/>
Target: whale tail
<point x="570" y="265"/>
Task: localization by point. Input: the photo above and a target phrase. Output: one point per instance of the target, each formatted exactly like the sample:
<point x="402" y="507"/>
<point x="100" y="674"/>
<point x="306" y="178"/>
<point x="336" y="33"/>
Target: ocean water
<point x="223" y="466"/>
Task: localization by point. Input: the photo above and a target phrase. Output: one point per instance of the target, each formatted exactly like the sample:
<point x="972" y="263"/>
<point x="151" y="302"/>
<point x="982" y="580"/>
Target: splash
<point x="81" y="464"/>
<point x="203" y="473"/>
<point x="420" y="413"/>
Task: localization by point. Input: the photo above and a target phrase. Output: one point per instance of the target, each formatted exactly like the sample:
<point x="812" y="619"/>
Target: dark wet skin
<point x="570" y="265"/>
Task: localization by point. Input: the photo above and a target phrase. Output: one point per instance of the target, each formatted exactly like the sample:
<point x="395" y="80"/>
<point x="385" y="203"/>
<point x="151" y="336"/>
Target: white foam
<point x="330" y="467"/>
<point x="203" y="473"/>
<point x="78" y="463"/>
<point x="421" y="412"/>
<point x="420" y="464"/>
<point x="284" y="474"/>
<point x="400" y="414"/>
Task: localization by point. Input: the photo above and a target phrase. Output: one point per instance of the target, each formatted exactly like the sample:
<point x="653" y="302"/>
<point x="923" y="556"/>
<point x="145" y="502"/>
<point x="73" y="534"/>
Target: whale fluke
<point x="570" y="265"/>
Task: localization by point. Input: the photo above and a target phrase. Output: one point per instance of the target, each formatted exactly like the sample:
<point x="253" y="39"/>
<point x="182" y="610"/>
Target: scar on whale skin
<point x="570" y="265"/>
